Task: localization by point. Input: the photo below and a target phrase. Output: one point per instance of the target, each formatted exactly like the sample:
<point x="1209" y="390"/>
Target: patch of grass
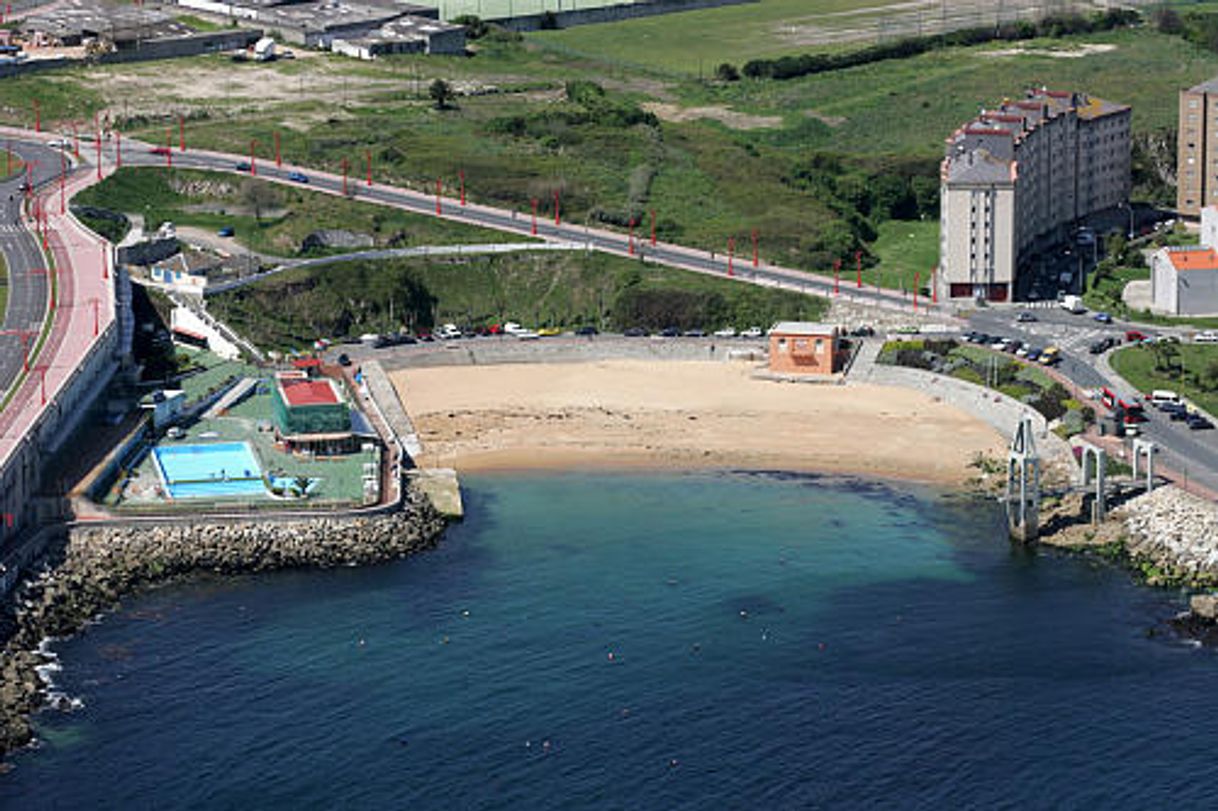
<point x="1195" y="376"/>
<point x="564" y="289"/>
<point x="214" y="200"/>
<point x="199" y="24"/>
<point x="904" y="248"/>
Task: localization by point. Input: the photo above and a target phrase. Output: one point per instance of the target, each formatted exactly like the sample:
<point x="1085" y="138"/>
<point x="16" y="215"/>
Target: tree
<point x="726" y="72"/>
<point x="258" y="196"/>
<point x="441" y="93"/>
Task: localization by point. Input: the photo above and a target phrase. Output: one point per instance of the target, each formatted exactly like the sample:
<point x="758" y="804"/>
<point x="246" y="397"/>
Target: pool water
<point x="209" y="470"/>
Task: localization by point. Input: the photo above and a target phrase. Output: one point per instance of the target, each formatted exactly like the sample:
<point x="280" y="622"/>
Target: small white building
<point x="1209" y="227"/>
<point x="166" y="407"/>
<point x="1184" y="281"/>
<point x="187" y="271"/>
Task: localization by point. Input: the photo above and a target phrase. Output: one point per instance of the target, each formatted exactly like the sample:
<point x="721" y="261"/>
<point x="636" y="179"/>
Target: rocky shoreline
<point x="102" y="565"/>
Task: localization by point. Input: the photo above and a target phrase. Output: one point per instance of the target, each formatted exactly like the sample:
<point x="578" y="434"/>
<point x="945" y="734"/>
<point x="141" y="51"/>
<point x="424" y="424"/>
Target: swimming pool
<point x="216" y="469"/>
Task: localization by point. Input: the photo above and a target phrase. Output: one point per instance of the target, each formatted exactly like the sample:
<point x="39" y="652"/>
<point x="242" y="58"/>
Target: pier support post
<point x="1144" y="446"/>
<point x="1023" y="484"/>
<point x="1099" y="507"/>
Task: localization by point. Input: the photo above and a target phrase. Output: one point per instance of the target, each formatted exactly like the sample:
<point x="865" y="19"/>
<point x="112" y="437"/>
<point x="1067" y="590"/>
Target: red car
<point x="1133" y="336"/>
<point x="159" y="150"/>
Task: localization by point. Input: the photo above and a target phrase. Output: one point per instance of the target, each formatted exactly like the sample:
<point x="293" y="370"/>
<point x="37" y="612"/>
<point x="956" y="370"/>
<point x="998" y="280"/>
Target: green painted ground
<point x="1188" y="369"/>
<point x="340" y="479"/>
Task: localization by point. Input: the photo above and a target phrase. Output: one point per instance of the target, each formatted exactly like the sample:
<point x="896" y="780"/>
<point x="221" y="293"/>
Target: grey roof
<point x="1208" y="86"/>
<point x="978" y="166"/>
<point x="802" y="328"/>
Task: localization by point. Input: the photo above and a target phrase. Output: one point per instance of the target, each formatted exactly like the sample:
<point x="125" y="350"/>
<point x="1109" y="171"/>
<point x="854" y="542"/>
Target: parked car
<point x="1207" y="337"/>
<point x="298" y="177"/>
<point x="243" y="166"/>
<point x="226" y="231"/>
<point x="1033" y="355"/>
<point x="1050" y="356"/>
<point x="635" y="332"/>
<point x="159" y="150"/>
<point x="694" y="333"/>
<point x="547" y="332"/>
<point x="752" y="332"/>
<point x="1025" y="317"/>
<point x="1197" y="422"/>
<point x="670" y="332"/>
<point x="586" y="330"/>
<point x="726" y="332"/>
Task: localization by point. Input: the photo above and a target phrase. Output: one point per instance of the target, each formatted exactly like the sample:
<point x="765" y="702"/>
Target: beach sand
<point x="682" y="415"/>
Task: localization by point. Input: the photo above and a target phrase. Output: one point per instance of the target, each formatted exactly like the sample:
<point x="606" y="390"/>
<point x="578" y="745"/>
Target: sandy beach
<point x="667" y="414"/>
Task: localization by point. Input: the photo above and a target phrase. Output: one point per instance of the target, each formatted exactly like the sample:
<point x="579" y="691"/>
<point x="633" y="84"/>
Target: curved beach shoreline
<point x="631" y="414"/>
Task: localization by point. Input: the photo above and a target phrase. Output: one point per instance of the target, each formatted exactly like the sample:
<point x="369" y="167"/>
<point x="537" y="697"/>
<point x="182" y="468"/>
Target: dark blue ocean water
<point x="776" y="643"/>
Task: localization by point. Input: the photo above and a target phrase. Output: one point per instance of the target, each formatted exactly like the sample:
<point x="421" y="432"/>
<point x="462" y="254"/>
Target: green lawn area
<point x="213" y="200"/>
<point x="567" y="289"/>
<point x="1195" y="378"/>
<point x="903" y="248"/>
<point x="694" y="42"/>
<point x="1105" y="294"/>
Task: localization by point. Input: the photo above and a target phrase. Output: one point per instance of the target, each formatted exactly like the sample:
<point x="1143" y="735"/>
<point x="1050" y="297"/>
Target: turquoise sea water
<point x="637" y="642"/>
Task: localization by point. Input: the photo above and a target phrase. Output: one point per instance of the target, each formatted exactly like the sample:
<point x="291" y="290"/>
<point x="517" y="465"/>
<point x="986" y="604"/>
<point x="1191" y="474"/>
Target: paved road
<point x="27" y="292"/>
<point x="1194" y="453"/>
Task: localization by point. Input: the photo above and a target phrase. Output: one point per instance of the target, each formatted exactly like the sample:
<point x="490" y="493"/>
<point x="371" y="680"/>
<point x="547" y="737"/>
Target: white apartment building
<point x="1017" y="177"/>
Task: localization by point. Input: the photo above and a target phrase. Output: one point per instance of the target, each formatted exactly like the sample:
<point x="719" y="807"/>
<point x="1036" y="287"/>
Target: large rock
<point x="335" y="238"/>
<point x="1204" y="605"/>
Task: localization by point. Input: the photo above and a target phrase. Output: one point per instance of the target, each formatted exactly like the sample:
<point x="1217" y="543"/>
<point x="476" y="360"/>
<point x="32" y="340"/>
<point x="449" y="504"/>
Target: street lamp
<point x="1128" y="208"/>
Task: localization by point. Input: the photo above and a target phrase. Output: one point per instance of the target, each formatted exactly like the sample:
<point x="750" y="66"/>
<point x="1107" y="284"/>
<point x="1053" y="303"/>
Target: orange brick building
<point x="801" y="347"/>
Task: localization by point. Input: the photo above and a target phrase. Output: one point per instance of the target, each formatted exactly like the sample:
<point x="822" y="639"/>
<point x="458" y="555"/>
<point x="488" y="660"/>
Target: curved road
<point x="27" y="289"/>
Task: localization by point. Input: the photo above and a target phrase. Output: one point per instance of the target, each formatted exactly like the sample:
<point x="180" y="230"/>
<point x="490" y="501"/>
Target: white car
<point x="752" y="332"/>
<point x="448" y="332"/>
<point x="1207" y="337"/>
<point x="526" y="335"/>
<point x="726" y="332"/>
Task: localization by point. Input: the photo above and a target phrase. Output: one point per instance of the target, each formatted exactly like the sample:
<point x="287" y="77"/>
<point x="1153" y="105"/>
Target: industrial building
<point x="1016" y="178"/>
<point x="363" y="29"/>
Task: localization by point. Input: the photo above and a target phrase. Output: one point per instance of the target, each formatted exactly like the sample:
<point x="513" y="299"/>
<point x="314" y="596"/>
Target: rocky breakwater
<point x="101" y="565"/>
<point x="1172" y="536"/>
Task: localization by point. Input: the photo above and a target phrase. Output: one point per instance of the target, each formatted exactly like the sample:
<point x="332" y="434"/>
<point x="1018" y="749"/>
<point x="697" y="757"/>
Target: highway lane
<point x="27" y="291"/>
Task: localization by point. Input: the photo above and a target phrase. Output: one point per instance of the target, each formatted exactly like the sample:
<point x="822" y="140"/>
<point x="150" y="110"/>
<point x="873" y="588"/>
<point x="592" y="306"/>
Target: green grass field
<point x="294" y="308"/>
<point x="1197" y="380"/>
<point x="904" y="248"/>
<point x="215" y="200"/>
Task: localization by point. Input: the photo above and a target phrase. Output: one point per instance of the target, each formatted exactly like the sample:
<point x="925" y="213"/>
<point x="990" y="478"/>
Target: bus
<point x="1131" y="407"/>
